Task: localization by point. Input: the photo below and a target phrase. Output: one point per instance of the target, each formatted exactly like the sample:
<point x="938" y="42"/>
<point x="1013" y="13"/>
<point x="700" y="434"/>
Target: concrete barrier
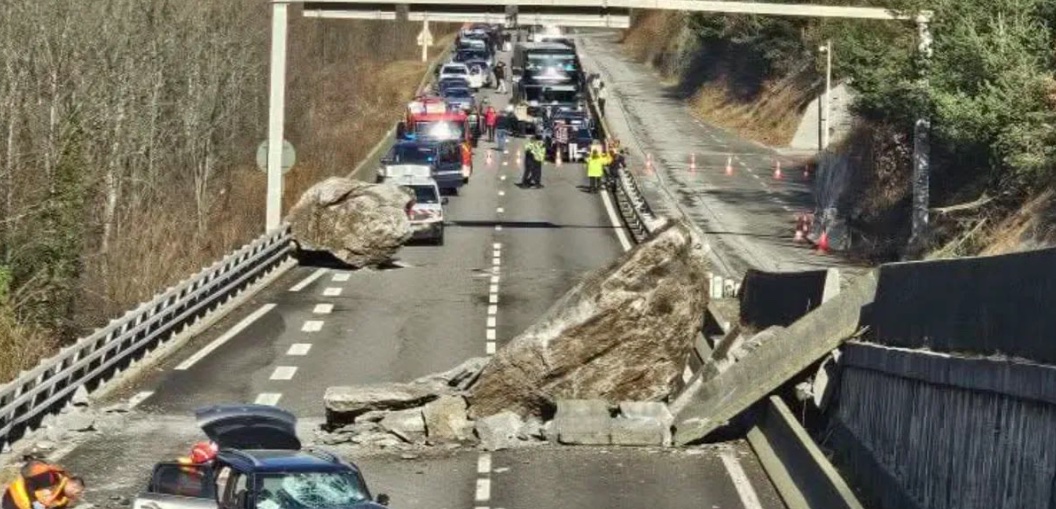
<point x="799" y="470"/>
<point x="973" y="305"/>
<point x="780" y="298"/>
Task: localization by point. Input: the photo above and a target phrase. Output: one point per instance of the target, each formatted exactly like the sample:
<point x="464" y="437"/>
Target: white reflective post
<point x="276" y="115"/>
<point x="826" y="113"/>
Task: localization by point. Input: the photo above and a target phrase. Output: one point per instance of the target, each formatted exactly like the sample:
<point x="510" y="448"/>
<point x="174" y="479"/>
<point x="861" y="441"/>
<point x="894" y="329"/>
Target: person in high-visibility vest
<point x="42" y="485"/>
<point x="596" y="163"/>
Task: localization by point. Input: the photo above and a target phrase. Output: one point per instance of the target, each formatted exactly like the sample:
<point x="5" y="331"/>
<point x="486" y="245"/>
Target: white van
<point x="427" y="211"/>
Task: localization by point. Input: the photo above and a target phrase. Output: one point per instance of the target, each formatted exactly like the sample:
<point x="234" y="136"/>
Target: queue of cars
<point x="429" y="156"/>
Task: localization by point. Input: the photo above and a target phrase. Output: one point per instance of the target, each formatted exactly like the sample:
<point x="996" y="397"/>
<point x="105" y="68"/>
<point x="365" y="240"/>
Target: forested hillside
<point x="990" y="93"/>
<point x="128" y="131"/>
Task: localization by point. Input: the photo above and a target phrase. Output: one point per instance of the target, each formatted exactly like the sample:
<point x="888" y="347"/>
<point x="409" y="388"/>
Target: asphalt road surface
<point x="509" y="254"/>
<point x="748" y="214"/>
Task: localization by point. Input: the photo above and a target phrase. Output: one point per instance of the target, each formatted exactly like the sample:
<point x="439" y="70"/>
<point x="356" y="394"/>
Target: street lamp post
<point x="826" y="108"/>
<point x="276" y="115"/>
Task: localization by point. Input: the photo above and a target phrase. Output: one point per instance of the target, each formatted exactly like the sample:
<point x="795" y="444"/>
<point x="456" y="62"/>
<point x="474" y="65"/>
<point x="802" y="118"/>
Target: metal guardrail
<point x="109" y="350"/>
<point x="95" y="358"/>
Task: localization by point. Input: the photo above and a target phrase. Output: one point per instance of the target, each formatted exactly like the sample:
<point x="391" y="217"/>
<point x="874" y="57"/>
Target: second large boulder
<point x="621" y="334"/>
<point x="361" y="224"/>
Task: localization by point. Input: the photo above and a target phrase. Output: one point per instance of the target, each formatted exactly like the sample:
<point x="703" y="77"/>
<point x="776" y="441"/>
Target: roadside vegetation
<point x="128" y="132"/>
<point x="991" y="97"/>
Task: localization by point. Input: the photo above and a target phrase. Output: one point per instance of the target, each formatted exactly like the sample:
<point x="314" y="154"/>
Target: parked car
<point x="260" y="465"/>
<point x="454" y="70"/>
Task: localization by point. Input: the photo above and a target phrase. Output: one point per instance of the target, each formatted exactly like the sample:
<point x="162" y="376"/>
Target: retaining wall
<point x="780" y="298"/>
<point x="951" y="404"/>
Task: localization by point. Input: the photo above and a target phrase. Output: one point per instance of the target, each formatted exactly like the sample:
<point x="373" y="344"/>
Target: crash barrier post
<point x="105" y="353"/>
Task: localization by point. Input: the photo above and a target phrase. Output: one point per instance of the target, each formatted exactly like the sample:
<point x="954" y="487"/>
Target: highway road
<point x="509" y="253"/>
<point x="748" y="215"/>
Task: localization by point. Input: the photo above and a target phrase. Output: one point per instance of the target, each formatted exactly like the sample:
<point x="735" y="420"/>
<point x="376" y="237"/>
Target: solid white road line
<point x="740" y="480"/>
<point x="218" y="342"/>
<point x="341" y="277"/>
<point x="283" y="373"/>
<point x="484" y="463"/>
<point x="312" y="326"/>
<point x="332" y="292"/>
<point x="620" y="234"/>
<point x="483" y="490"/>
<point x="299" y="349"/>
<point x="308" y="280"/>
<point x="268" y="398"/>
<point x="323" y="309"/>
<point x="138" y="398"/>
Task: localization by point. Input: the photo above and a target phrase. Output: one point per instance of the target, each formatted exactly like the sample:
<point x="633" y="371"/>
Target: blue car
<point x="443" y="156"/>
<point x="459" y="98"/>
<point x="260" y="465"/>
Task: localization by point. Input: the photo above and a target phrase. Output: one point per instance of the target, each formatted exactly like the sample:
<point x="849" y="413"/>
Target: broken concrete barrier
<point x="499" y="431"/>
<point x="409" y="425"/>
<point x="714" y="402"/>
<point x="345" y="403"/>
<point x="643" y="423"/>
<point x="583" y="422"/>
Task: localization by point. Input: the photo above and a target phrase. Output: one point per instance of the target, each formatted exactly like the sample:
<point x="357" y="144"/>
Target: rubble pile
<point x="359" y="223"/>
<point x="594" y="370"/>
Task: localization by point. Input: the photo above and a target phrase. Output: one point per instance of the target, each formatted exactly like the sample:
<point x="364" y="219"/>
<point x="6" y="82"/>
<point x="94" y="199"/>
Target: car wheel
<point x="465" y="180"/>
<point x="440" y="238"/>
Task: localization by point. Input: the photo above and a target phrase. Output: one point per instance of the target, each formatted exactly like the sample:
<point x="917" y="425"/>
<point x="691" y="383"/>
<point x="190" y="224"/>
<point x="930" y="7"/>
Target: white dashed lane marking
<point x="483" y="490"/>
<point x="299" y="349"/>
<point x="323" y="309"/>
<point x="284" y="373"/>
<point x="218" y="342"/>
<point x="268" y="398"/>
<point x="484" y="464"/>
<point x="332" y="292"/>
<point x="500" y="210"/>
<point x="498" y="227"/>
<point x="308" y="280"/>
<point x="312" y="326"/>
<point x="493" y="299"/>
<point x="489" y="348"/>
<point x="492" y="322"/>
<point x="341" y="277"/>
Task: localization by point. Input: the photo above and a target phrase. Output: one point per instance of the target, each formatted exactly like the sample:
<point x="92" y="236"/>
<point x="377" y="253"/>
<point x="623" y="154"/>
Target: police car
<point x="260" y="465"/>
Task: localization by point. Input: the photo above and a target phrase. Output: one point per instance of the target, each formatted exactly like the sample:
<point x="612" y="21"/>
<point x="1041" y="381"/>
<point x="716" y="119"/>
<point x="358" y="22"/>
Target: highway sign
<point x="289" y="156"/>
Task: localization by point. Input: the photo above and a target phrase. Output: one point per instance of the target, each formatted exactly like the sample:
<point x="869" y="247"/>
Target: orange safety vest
<point x="38" y="482"/>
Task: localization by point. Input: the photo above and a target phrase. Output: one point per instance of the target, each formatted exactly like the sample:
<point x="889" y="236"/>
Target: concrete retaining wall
<point x="916" y="429"/>
<point x="984" y="306"/>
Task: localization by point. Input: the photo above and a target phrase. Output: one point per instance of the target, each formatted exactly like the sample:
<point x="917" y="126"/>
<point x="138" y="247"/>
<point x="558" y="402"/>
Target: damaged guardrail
<point x="111" y="349"/>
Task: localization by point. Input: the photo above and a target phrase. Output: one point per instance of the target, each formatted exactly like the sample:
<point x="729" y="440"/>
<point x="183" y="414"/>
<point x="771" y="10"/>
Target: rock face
<point x="361" y="224"/>
<point x="622" y="334"/>
<point x="345" y="404"/>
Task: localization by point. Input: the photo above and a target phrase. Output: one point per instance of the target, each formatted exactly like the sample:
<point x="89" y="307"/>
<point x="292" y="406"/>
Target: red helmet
<point x="203" y="452"/>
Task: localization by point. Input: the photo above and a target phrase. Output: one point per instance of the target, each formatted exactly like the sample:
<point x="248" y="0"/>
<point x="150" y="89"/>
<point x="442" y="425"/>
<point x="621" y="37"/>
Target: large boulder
<point x="361" y="224"/>
<point x="621" y="334"/>
<point x="445" y="419"/>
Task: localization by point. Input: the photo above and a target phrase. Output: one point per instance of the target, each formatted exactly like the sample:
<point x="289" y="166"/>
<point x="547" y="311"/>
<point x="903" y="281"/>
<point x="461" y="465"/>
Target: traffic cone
<point x="823" y="242"/>
<point x="693" y="163"/>
<point x="777" y="170"/>
<point x="806" y="171"/>
<point x="801" y="223"/>
<point x="490" y="161"/>
<point x="729" y="166"/>
<point x="648" y="163"/>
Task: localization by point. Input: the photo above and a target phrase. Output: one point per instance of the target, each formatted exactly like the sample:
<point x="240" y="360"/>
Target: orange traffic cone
<point x="777" y="170"/>
<point x="729" y="166"/>
<point x="490" y="161"/>
<point x="823" y="242"/>
<point x="693" y="163"/>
